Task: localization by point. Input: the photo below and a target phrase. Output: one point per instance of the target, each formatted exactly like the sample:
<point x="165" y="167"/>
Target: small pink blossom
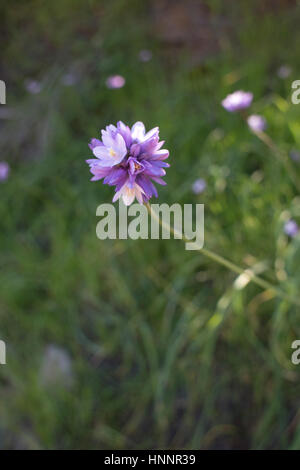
<point x="115" y="81"/>
<point x="237" y="101"/>
<point x="257" y="123"/>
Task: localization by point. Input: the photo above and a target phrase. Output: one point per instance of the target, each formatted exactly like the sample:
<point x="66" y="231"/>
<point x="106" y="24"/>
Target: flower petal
<point x="116" y="175"/>
<point x="138" y="131"/>
<point x="100" y="152"/>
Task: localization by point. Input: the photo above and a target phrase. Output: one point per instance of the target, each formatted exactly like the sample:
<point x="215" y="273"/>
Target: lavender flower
<point x="295" y="155"/>
<point x="33" y="86"/>
<point x="257" y="123"/>
<point x="199" y="186"/>
<point x="4" y="171"/>
<point x="115" y="81"/>
<point x="130" y="160"/>
<point x="237" y="101"/>
<point x="291" y="228"/>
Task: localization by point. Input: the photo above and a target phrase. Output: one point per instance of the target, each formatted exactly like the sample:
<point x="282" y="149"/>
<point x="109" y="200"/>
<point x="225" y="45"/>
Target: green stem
<point x="228" y="264"/>
<point x="282" y="156"/>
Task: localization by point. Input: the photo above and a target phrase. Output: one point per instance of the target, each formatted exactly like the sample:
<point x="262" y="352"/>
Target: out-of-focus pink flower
<point x="115" y="81"/>
<point x="4" y="171"/>
<point x="33" y="86"/>
<point x="284" y="71"/>
<point x="145" y="55"/>
<point x="199" y="186"/>
<point x="237" y="101"/>
<point x="257" y="123"/>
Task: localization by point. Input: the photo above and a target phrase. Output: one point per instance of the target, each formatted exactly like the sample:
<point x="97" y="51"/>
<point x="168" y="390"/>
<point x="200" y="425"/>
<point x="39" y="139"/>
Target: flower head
<point x="295" y="155"/>
<point x="257" y="123"/>
<point x="237" y="101"/>
<point x="4" y="171"/>
<point x="199" y="186"/>
<point x="130" y="160"/>
<point x="115" y="81"/>
<point x="291" y="228"/>
<point x="33" y="86"/>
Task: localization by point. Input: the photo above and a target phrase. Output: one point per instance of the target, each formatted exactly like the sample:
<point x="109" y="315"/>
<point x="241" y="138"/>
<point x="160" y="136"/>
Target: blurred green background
<point x="124" y="344"/>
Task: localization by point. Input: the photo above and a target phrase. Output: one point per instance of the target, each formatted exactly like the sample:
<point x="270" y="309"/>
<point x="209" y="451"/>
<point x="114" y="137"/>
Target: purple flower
<point x="237" y="101"/>
<point x="295" y="155"/>
<point x="291" y="228"/>
<point x="145" y="55"/>
<point x="4" y="171"/>
<point x="257" y="123"/>
<point x="199" y="186"/>
<point x="130" y="160"/>
<point x="115" y="81"/>
<point x="33" y="86"/>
